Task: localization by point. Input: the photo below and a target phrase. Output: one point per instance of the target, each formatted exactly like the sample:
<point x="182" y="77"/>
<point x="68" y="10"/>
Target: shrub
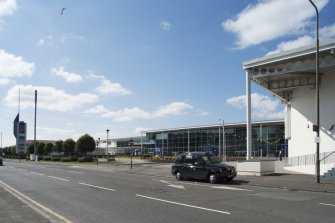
<point x="55" y="159"/>
<point x="85" y="159"/>
<point x="47" y="158"/>
<point x="74" y="159"/>
<point x="65" y="159"/>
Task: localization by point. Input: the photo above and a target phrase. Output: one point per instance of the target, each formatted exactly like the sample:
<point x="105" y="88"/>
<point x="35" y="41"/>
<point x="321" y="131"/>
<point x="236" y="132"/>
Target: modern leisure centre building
<point x="228" y="140"/>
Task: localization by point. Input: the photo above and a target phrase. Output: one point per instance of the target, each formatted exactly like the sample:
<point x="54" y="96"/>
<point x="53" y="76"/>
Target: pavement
<point x="9" y="204"/>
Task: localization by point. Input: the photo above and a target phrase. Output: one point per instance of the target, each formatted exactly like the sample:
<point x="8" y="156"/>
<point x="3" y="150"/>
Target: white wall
<point x="310" y="169"/>
<point x="303" y="115"/>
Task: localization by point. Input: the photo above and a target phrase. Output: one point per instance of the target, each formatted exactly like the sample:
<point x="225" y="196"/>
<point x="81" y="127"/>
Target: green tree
<point x="48" y="148"/>
<point x="40" y="148"/>
<point x="58" y="148"/>
<point x="30" y="149"/>
<point x="85" y="144"/>
<point x="69" y="146"/>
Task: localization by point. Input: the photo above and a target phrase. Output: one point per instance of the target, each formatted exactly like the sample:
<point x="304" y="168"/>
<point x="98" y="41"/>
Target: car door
<point x="199" y="168"/>
<point x="188" y="163"/>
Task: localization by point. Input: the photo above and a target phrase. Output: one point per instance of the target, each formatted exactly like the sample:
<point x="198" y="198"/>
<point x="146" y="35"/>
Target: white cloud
<point x="202" y="113"/>
<point x="327" y="32"/>
<point x="41" y="42"/>
<point x="165" y="25"/>
<point x="53" y="41"/>
<point x="4" y="81"/>
<point x="14" y="66"/>
<point x="72" y="37"/>
<point x="92" y="76"/>
<point x="127" y="114"/>
<point x="48" y="133"/>
<point x="139" y="130"/>
<point x="130" y="114"/>
<point x="48" y="98"/>
<point x="174" y="108"/>
<point x="263" y="107"/>
<point x="7" y="7"/>
<point x="68" y="76"/>
<point x="99" y="109"/>
<point x="293" y="44"/>
<point x="270" y="19"/>
<point x="108" y="87"/>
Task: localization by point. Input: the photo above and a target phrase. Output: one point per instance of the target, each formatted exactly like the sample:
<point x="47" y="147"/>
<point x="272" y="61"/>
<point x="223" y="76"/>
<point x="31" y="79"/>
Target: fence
<point x="326" y="157"/>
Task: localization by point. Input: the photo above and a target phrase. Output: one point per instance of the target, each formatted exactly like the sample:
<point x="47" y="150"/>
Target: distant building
<point x="21" y="138"/>
<point x="268" y="138"/>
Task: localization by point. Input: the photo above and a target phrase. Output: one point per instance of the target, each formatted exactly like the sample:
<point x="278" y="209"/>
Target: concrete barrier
<point x="256" y="168"/>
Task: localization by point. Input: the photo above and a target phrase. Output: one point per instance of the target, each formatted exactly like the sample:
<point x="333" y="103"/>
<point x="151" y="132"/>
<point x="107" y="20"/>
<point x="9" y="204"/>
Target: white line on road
<point x="333" y="205"/>
<point x="71" y="171"/>
<point x="171" y="185"/>
<point x="22" y="170"/>
<point x="90" y="185"/>
<point x="229" y="188"/>
<point x="41" y="174"/>
<point x="22" y="197"/>
<point x="181" y="204"/>
<point x="58" y="178"/>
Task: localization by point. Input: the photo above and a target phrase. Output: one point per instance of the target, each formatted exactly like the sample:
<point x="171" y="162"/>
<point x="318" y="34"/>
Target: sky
<point x="136" y="65"/>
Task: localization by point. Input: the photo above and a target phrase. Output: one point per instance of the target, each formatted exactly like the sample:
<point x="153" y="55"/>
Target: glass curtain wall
<point x="267" y="140"/>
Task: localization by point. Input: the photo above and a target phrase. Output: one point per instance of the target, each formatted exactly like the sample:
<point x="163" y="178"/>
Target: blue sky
<point x="131" y="65"/>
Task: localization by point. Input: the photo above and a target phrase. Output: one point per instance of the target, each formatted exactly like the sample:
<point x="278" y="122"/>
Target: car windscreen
<point x="211" y="159"/>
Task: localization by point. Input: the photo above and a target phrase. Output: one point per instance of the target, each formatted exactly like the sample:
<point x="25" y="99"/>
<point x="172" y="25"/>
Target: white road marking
<point x="229" y="188"/>
<point x="22" y="196"/>
<point x="177" y="186"/>
<point x="71" y="171"/>
<point x="90" y="185"/>
<point x="186" y="205"/>
<point x="41" y="174"/>
<point x="172" y="185"/>
<point x="22" y="170"/>
<point x="333" y="205"/>
<point x="58" y="178"/>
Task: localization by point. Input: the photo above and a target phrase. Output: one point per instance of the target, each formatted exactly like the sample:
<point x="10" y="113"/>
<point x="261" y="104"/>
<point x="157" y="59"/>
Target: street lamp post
<point x="107" y="143"/>
<point x="316" y="128"/>
<point x="223" y="141"/>
<point x="224" y="152"/>
<point x="96" y="151"/>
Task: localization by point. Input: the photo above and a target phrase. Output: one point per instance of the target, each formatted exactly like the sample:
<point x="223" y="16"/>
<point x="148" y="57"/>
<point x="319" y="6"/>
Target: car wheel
<point x="212" y="178"/>
<point x="179" y="176"/>
<point x="229" y="179"/>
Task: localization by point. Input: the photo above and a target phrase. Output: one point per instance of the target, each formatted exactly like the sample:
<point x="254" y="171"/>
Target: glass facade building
<point x="267" y="139"/>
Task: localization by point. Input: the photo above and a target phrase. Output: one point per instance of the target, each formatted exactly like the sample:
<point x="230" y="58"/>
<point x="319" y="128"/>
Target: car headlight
<point x="223" y="170"/>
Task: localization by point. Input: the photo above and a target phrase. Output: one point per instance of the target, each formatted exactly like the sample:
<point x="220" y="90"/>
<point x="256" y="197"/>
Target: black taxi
<point x="202" y="166"/>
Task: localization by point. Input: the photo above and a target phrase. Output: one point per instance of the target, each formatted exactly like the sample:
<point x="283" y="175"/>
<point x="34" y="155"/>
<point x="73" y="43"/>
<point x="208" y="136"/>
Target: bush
<point x="65" y="159"/>
<point x="55" y="159"/>
<point x="85" y="159"/>
<point x="74" y="159"/>
<point x="47" y="158"/>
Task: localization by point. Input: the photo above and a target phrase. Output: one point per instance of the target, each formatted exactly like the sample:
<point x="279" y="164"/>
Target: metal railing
<point x="325" y="157"/>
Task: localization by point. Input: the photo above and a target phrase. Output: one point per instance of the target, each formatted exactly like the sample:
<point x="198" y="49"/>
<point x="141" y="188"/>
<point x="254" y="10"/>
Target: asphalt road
<point x="70" y="194"/>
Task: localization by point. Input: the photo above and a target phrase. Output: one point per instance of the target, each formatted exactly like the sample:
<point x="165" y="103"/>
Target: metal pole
<point x="317" y="129"/>
<point x="220" y="141"/>
<point x="1" y="152"/>
<point x="107" y="143"/>
<point x="188" y="140"/>
<point x="248" y="96"/>
<point x="224" y="151"/>
<point x="35" y="128"/>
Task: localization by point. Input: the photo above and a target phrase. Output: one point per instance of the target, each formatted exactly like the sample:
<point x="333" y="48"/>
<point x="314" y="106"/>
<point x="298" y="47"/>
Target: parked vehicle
<point x="202" y="166"/>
